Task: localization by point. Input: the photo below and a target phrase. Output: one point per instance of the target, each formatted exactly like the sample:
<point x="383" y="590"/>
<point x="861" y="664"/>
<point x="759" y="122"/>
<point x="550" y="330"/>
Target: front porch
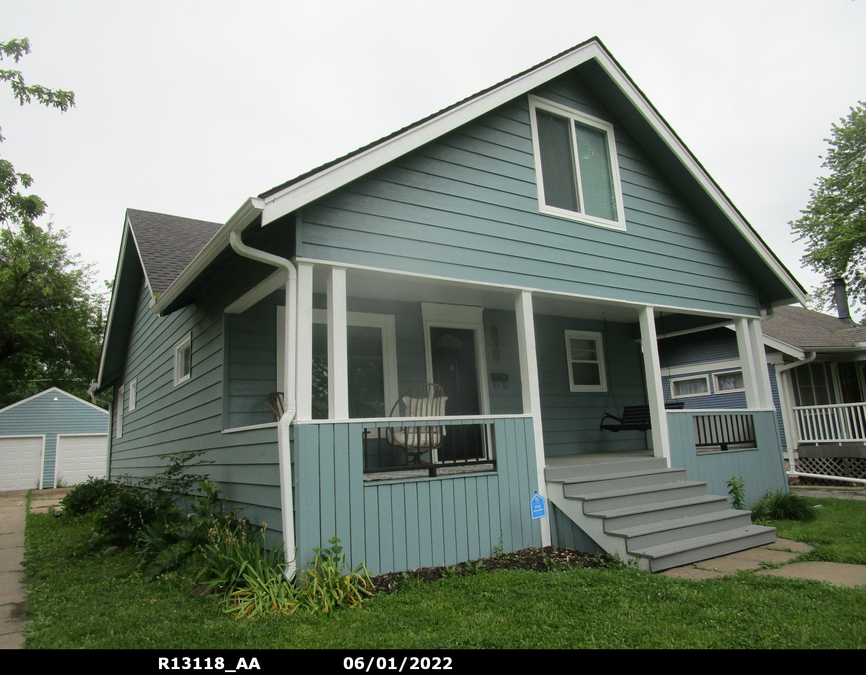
<point x="527" y="378"/>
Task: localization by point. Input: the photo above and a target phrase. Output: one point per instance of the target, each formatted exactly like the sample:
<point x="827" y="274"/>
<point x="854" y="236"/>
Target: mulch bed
<point x="547" y="559"/>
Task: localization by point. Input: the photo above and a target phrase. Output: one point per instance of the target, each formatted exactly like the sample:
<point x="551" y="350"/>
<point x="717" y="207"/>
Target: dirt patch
<point x="548" y="559"/>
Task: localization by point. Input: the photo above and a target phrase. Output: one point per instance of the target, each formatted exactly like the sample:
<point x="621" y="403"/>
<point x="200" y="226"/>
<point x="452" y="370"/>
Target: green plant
<point x="327" y="586"/>
<point x="737" y="492"/>
<point x="129" y="509"/>
<point x="777" y="505"/>
<point x="86" y="497"/>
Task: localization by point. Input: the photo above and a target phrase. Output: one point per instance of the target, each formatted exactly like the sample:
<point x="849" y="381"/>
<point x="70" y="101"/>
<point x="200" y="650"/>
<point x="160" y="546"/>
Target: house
<point x="815" y="364"/>
<point x="52" y="439"/>
<point x="520" y="249"/>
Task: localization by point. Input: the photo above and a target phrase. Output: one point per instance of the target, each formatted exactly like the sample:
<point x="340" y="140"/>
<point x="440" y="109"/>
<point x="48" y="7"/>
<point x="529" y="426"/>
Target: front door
<point x="452" y="352"/>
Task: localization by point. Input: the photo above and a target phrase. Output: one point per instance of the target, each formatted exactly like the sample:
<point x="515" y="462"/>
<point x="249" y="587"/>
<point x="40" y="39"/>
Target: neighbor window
<point x="729" y="382"/>
<point x="585" y="361"/>
<point x="575" y="161"/>
<point x="183" y="359"/>
<point x="685" y="387"/>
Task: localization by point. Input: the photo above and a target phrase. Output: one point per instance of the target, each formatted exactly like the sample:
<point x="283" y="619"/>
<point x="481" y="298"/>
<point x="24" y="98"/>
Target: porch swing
<point x="633" y="417"/>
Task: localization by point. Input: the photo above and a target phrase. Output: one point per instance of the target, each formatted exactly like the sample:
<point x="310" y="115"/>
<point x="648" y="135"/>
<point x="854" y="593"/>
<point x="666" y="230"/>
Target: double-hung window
<point x="183" y="359"/>
<point x="576" y="165"/>
<point x="585" y="355"/>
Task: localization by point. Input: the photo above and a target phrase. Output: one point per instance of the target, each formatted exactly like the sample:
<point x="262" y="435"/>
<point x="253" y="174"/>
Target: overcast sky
<point x="191" y="107"/>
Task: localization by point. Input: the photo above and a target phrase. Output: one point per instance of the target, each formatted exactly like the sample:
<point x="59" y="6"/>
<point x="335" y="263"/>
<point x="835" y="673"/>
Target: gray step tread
<point x="676" y="523"/>
<point x="643" y="489"/>
<point x="613" y="476"/>
<point x="674" y="547"/>
<point x="657" y="506"/>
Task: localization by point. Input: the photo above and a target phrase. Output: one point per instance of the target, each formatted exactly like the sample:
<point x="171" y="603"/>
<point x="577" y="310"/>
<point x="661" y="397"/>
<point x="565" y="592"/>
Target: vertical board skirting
<point x="404" y="524"/>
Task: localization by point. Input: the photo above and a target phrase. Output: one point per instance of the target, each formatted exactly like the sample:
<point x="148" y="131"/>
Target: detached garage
<point x="51" y="439"/>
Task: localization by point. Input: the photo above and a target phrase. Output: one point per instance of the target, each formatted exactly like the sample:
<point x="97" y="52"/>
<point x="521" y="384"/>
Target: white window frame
<point x="133" y="386"/>
<point x="118" y="413"/>
<point x="536" y="103"/>
<point x="719" y="390"/>
<point x="184" y="343"/>
<point x="599" y="350"/>
<point x="704" y="377"/>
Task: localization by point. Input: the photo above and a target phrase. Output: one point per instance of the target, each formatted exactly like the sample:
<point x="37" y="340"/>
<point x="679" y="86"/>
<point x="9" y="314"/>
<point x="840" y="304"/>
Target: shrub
<point x="86" y="497"/>
<point x="129" y="509"/>
<point x="776" y="505"/>
<point x="326" y="585"/>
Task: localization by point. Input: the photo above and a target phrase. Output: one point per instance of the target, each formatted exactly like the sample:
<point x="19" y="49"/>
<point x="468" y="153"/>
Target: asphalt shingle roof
<point x="167" y="244"/>
<point x="810" y="330"/>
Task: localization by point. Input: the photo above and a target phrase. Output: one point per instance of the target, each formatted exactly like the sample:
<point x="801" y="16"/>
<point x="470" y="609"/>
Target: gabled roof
<point x="617" y="91"/>
<point x="53" y="390"/>
<point x="167" y="244"/>
<point x="813" y="331"/>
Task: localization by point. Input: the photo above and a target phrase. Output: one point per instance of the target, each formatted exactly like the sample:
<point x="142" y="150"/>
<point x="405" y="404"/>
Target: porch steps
<point x="636" y="508"/>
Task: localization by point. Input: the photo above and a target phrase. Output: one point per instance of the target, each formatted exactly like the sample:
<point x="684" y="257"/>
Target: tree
<point x="834" y="222"/>
<point x="50" y="318"/>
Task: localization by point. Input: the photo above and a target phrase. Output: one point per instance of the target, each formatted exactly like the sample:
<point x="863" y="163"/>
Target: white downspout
<point x="283" y="442"/>
<point x="783" y="403"/>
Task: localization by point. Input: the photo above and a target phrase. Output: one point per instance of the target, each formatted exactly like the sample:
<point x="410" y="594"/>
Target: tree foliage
<point x="50" y="316"/>
<point x="833" y="224"/>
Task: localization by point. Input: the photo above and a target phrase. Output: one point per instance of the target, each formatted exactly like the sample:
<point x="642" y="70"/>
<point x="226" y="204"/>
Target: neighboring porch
<point x="527" y="379"/>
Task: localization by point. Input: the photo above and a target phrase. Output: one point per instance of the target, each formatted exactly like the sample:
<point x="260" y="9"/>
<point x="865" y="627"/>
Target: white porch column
<point x="304" y="364"/>
<point x="655" y="395"/>
<point x="745" y="346"/>
<point x="338" y="366"/>
<point x="762" y="375"/>
<point x="531" y="394"/>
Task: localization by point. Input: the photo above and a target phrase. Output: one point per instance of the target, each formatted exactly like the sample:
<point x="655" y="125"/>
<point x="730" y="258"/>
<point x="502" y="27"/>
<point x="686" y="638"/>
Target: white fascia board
<point x="321" y="183"/>
<point x="109" y="321"/>
<point x="237" y="223"/>
<point x="784" y="347"/>
<point x="298" y="195"/>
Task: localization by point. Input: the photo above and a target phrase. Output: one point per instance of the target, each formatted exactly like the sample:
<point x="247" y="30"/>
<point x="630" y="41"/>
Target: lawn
<point x="81" y="600"/>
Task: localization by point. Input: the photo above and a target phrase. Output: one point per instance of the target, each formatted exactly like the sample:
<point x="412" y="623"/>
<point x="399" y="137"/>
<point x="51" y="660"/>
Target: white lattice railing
<point x="831" y="423"/>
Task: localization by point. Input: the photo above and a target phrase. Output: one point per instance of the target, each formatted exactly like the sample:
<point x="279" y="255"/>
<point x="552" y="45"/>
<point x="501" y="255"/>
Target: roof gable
<point x="50" y="391"/>
<point x="775" y="284"/>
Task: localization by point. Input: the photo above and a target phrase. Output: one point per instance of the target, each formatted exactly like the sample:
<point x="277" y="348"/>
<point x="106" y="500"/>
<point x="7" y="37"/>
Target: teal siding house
<point x="403" y="347"/>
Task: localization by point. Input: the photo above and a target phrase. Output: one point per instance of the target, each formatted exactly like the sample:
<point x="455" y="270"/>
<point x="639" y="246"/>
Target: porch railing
<point x="724" y="431"/>
<point x="831" y="423"/>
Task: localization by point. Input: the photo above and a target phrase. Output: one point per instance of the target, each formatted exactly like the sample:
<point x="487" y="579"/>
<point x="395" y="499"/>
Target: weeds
<point x="737" y="492"/>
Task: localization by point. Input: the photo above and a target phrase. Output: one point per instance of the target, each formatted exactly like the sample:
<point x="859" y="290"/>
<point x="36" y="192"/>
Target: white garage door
<point x="21" y="462"/>
<point x="79" y="457"/>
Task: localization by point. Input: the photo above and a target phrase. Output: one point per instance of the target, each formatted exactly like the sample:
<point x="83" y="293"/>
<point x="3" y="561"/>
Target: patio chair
<point x="426" y="400"/>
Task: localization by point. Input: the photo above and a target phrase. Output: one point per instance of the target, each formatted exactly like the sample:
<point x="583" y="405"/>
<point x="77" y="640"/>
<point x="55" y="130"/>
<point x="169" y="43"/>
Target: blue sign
<point x="538" y="507"/>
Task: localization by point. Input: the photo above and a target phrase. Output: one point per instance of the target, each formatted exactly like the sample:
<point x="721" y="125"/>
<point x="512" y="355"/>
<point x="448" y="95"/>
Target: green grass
<point x="97" y="601"/>
<point x="838" y="533"/>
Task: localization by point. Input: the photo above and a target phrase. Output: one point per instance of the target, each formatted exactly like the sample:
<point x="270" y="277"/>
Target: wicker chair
<point x="426" y="400"/>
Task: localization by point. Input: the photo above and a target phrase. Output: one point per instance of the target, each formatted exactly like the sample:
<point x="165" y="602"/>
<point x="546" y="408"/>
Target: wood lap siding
<point x="170" y="418"/>
<point x="466" y="206"/>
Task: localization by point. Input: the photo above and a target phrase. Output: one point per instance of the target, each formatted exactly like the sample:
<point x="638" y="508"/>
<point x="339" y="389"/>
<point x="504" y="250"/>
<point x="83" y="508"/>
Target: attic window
<point x="183" y="359"/>
<point x="575" y="160"/>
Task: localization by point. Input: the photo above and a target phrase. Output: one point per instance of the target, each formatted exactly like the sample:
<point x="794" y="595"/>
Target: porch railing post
<point x="655" y="395"/>
<point x="338" y="362"/>
<point x="531" y="392"/>
<point x="304" y="365"/>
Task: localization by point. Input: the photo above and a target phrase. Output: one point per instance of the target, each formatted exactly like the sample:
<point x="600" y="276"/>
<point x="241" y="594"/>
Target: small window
<point x="183" y="360"/>
<point x="585" y="361"/>
<point x="576" y="165"/>
<point x="133" y="385"/>
<point x="686" y="387"/>
<point x="729" y="382"/>
<point x="118" y="412"/>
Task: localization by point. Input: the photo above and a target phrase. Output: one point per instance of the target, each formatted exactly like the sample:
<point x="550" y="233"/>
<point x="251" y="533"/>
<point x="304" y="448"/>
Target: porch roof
<point x="813" y="331"/>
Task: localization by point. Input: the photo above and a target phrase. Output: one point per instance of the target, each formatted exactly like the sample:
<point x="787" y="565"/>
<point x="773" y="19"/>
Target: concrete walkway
<point x="13" y="618"/>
